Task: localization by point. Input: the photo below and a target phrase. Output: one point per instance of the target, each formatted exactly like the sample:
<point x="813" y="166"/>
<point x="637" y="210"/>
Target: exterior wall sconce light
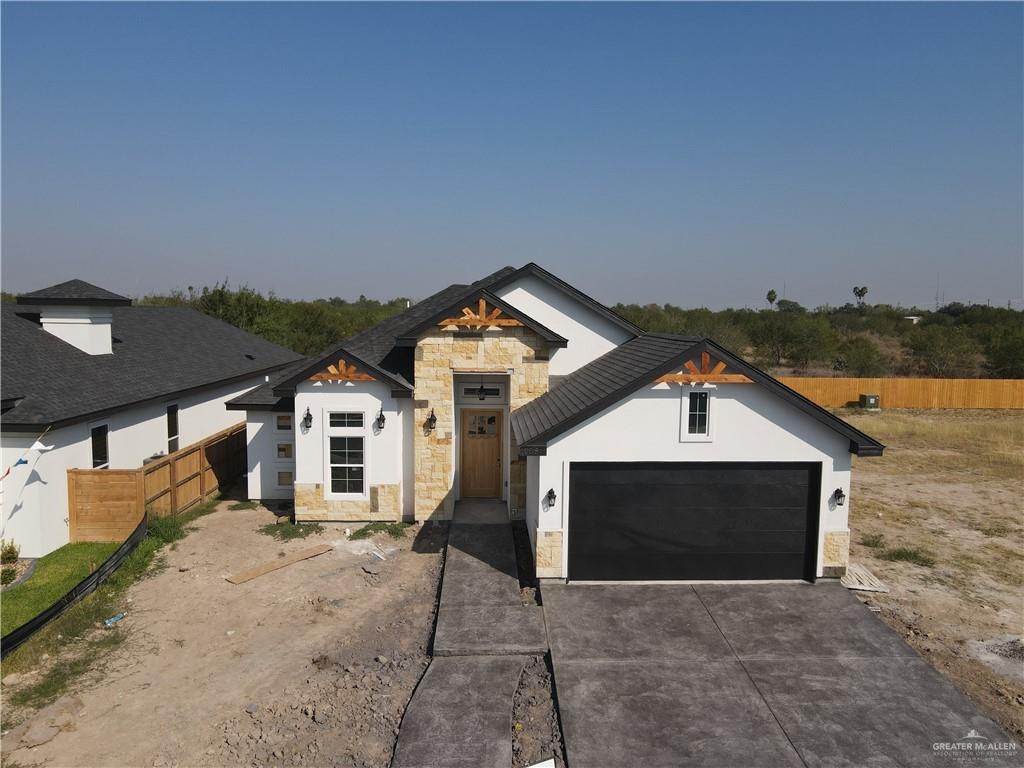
<point x="550" y="497"/>
<point x="381" y="419"/>
<point x="481" y="393"/>
<point x="307" y="419"/>
<point x="839" y="496"/>
<point x="431" y="421"/>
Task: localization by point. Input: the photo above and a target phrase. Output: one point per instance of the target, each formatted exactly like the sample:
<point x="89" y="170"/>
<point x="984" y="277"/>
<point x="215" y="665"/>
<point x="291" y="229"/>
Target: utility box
<point x="871" y="402"/>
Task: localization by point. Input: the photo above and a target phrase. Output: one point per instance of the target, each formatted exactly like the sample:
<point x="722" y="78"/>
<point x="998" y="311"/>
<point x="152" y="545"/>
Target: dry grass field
<point x="939" y="519"/>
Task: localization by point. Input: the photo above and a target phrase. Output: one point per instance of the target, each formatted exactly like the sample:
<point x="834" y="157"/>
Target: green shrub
<point x="909" y="555"/>
<point x="7" y="575"/>
<point x="394" y="530"/>
<point x="9" y="552"/>
<point x="872" y="540"/>
<point x="289" y="531"/>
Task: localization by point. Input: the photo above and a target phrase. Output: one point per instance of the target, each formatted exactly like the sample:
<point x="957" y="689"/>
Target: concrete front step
<point x="490" y="630"/>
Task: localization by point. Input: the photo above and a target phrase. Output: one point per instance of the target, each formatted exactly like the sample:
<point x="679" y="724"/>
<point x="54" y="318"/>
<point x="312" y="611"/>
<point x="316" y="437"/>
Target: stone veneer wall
<point x="437" y="354"/>
<point x="385" y="504"/>
<point x="836" y="555"/>
<point x="549" y="554"/>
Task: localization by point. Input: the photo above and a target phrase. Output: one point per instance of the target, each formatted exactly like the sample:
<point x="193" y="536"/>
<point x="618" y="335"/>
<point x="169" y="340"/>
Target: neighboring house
<point x="630" y="455"/>
<point x="111" y="385"/>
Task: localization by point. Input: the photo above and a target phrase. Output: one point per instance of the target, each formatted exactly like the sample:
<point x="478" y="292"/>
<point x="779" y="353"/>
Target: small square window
<point x="284" y="479"/>
<point x="284" y="450"/>
<point x="284" y="421"/>
<point x="350" y="420"/>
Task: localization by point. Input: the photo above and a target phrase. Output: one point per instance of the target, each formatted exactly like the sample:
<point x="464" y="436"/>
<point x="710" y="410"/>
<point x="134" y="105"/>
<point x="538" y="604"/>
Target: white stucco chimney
<point x="78" y="313"/>
<point x="88" y="328"/>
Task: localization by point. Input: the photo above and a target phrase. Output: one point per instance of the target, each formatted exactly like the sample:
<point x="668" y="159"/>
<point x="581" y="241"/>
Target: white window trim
<point x="684" y="415"/>
<point x="330" y="432"/>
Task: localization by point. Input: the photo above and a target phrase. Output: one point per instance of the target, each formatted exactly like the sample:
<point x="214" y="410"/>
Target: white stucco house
<point x="90" y="381"/>
<point x="630" y="455"/>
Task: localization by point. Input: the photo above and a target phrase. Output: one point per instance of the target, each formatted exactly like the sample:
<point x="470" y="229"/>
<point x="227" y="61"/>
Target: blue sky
<point x="694" y="154"/>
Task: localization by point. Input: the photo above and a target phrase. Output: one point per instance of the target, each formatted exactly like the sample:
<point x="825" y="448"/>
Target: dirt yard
<point x="312" y="664"/>
<point x="939" y="519"/>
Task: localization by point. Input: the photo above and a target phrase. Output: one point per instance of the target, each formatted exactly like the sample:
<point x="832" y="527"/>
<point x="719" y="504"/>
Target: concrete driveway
<point x="747" y="675"/>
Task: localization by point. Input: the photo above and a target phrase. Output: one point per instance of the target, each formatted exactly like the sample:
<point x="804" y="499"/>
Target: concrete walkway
<point x="461" y="712"/>
<point x="781" y="675"/>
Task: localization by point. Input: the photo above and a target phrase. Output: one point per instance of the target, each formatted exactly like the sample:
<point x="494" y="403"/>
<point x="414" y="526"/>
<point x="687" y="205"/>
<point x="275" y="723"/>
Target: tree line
<point x="857" y="339"/>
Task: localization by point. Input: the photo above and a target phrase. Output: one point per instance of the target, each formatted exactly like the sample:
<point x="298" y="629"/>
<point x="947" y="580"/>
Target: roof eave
<point x="287" y="388"/>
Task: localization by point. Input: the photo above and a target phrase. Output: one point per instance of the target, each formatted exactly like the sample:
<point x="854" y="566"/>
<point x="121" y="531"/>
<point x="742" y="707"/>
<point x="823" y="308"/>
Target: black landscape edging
<point x="16" y="637"/>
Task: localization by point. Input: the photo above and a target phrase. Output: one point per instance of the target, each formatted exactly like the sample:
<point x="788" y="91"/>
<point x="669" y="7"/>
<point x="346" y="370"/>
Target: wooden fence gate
<point x="107" y="504"/>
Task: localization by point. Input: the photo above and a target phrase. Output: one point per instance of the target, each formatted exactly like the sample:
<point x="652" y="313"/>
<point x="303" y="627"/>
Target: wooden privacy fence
<point x="107" y="504"/>
<point x="912" y="393"/>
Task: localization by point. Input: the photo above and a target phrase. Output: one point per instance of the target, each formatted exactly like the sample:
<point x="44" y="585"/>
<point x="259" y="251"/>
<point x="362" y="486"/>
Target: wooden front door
<point x="481" y="454"/>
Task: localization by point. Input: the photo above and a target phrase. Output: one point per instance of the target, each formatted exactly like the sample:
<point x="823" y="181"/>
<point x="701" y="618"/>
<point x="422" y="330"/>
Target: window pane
<point x="692" y="426"/>
<point x="284" y="421"/>
<point x="172" y="421"/>
<point x="284" y="450"/>
<point x="346" y="450"/>
<point x="697" y="424"/>
<point x="284" y="478"/>
<point x="100" y="454"/>
<point x="346" y="479"/>
<point x="346" y="419"/>
<point x="172" y="445"/>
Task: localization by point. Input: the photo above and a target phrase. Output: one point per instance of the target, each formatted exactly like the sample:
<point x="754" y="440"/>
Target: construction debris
<point x="281" y="562"/>
<point x="861" y="579"/>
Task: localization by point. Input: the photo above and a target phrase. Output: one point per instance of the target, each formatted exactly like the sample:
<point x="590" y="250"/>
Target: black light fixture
<point x="381" y="419"/>
<point x="481" y="393"/>
<point x="550" y="497"/>
<point x="839" y="496"/>
<point x="307" y="419"/>
<point x="431" y="421"/>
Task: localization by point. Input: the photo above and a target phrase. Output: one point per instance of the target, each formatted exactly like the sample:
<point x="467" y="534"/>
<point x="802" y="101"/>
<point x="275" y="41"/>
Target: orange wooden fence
<point x="912" y="393"/>
<point x="107" y="504"/>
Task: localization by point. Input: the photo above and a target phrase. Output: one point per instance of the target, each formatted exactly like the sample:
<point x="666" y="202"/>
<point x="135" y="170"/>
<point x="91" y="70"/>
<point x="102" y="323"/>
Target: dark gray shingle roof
<point x="597" y="385"/>
<point x="74" y="292"/>
<point x="158" y="353"/>
<point x="638" y="363"/>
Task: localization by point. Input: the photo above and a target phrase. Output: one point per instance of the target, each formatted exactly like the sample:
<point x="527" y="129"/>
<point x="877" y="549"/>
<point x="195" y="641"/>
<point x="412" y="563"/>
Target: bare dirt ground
<point x="312" y="664"/>
<point x="950" y="485"/>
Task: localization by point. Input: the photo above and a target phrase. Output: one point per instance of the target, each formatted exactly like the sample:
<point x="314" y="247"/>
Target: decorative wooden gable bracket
<point x="480" y="318"/>
<point x="341" y="372"/>
<point x="706" y="374"/>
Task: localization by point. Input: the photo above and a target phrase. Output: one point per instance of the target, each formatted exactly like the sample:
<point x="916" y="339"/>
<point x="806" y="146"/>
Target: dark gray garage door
<point x="694" y="521"/>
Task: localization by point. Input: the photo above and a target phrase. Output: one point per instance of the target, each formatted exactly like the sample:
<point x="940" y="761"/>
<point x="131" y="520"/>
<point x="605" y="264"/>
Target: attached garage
<point x="671" y="459"/>
<point x="659" y="521"/>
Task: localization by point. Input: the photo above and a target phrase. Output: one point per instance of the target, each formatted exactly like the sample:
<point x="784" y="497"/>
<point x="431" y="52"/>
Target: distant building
<point x="915" y="319"/>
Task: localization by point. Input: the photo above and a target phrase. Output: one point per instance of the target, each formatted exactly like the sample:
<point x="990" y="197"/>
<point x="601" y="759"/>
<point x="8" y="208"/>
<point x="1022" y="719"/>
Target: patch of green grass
<point x="54" y="576"/>
<point x="289" y="531"/>
<point x="908" y="555"/>
<point x="394" y="530"/>
<point x="243" y="505"/>
<point x="72" y="630"/>
<point x="872" y="540"/>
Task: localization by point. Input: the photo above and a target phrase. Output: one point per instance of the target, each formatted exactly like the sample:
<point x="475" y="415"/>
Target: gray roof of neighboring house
<point x="74" y="292"/>
<point x="638" y="363"/>
<point x="159" y="353"/>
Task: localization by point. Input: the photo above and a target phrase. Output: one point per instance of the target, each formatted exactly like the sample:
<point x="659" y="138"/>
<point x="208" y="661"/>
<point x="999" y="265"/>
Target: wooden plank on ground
<point x="281" y="562"/>
<point x="861" y="579"/>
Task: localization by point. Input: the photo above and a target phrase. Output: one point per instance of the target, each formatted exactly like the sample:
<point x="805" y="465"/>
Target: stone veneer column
<point x="836" y="554"/>
<point x="437" y="354"/>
